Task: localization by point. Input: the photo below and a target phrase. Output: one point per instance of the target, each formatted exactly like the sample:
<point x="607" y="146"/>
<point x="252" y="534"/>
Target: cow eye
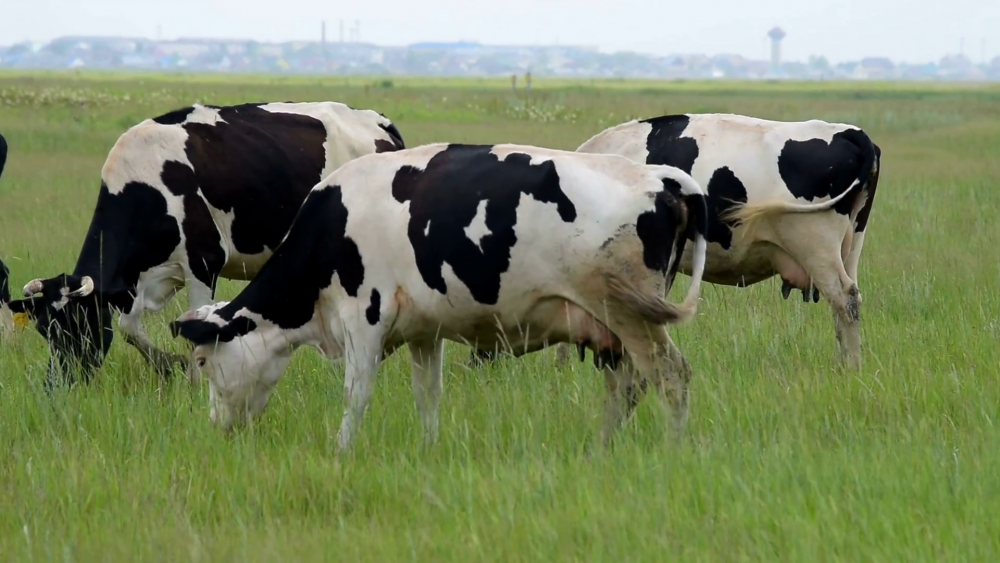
<point x="200" y="362"/>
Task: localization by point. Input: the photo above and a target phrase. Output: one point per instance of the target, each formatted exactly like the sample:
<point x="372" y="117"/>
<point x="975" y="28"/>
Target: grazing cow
<point x="473" y="244"/>
<point x="186" y="198"/>
<point x="6" y="318"/>
<point x="770" y="166"/>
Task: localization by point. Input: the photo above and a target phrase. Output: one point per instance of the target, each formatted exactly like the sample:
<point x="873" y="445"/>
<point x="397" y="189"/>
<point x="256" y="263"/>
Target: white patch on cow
<point x="627" y="139"/>
<point x="427" y="229"/>
<point x="58" y="305"/>
<point x="205" y="115"/>
<point x="139" y="156"/>
<point x="350" y="133"/>
<point x="477" y="229"/>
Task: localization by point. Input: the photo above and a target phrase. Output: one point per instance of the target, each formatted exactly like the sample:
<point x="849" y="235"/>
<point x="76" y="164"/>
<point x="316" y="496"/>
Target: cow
<point x="478" y="244"/>
<point x="768" y="184"/>
<point x="6" y="318"/>
<point x="188" y="197"/>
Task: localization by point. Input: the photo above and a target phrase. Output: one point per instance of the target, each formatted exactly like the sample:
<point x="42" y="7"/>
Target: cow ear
<point x="199" y="332"/>
<point x="240" y="326"/>
<point x="26" y="306"/>
<point x="195" y="331"/>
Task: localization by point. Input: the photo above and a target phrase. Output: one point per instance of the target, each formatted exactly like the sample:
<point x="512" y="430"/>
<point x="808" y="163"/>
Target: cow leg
<point x="625" y="389"/>
<point x="362" y="355"/>
<point x="652" y="358"/>
<point x="154" y="290"/>
<point x="815" y="242"/>
<point x="427" y="384"/>
<point x="162" y="361"/>
<point x="664" y="364"/>
<point x="657" y="360"/>
<point x="562" y="354"/>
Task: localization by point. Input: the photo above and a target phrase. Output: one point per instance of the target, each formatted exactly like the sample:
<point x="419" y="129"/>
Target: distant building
<point x="461" y="58"/>
<point x="874" y="68"/>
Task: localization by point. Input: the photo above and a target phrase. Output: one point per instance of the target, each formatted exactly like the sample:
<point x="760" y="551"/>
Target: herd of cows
<point x="356" y="245"/>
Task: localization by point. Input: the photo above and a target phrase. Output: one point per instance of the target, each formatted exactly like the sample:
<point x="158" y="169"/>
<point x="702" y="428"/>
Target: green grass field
<point x="786" y="457"/>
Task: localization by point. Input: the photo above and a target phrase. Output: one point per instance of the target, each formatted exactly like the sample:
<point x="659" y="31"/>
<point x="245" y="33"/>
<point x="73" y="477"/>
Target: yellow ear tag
<point x="20" y="320"/>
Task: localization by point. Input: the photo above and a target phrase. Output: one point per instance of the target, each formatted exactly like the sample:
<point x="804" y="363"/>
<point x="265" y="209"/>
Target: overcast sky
<point x="904" y="30"/>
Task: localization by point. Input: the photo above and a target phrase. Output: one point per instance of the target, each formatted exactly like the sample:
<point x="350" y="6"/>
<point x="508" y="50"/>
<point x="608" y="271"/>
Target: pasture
<point x="786" y="457"/>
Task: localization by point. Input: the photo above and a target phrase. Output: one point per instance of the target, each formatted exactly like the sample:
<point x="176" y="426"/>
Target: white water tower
<point x="776" y="35"/>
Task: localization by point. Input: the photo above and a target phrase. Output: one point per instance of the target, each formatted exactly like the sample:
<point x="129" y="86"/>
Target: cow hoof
<point x="805" y="295"/>
<point x="786" y="289"/>
<point x="815" y="295"/>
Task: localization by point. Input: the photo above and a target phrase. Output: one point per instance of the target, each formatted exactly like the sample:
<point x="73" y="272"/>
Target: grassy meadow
<point x="786" y="457"/>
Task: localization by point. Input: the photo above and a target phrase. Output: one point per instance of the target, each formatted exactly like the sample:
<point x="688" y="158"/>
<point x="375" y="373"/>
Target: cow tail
<point x="749" y="215"/>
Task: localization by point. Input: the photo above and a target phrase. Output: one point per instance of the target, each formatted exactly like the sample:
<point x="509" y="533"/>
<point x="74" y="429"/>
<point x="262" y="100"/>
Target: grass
<point x="787" y="458"/>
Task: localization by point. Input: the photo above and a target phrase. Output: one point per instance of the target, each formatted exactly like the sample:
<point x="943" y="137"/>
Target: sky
<point x="903" y="30"/>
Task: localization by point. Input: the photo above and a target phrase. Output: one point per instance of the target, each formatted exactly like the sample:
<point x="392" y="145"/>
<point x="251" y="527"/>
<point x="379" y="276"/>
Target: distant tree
<point x="819" y="63"/>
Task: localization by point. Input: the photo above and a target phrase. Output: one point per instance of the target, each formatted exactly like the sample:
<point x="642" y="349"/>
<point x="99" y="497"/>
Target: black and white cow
<point x="186" y="198"/>
<point x="6" y="318"/>
<point x="807" y="189"/>
<point x="473" y="244"/>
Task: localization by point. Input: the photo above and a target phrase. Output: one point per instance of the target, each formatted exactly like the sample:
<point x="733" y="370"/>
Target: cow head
<point x="243" y="358"/>
<point x="73" y="318"/>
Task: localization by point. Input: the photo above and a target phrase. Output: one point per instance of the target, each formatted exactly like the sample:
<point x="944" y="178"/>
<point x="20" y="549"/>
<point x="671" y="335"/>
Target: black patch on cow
<point x="130" y="232"/>
<point x="657" y="229"/>
<point x="815" y="169"/>
<point x="724" y="188"/>
<point x="372" y="312"/>
<point x="175" y="117"/>
<point x="695" y="208"/>
<point x="3" y="153"/>
<point x="260" y="166"/>
<point x="203" y="242"/>
<point x="287" y="288"/>
<point x="4" y="283"/>
<point x="444" y="199"/>
<point x="862" y="220"/>
<point x="205" y="332"/>
<point x="665" y="144"/>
